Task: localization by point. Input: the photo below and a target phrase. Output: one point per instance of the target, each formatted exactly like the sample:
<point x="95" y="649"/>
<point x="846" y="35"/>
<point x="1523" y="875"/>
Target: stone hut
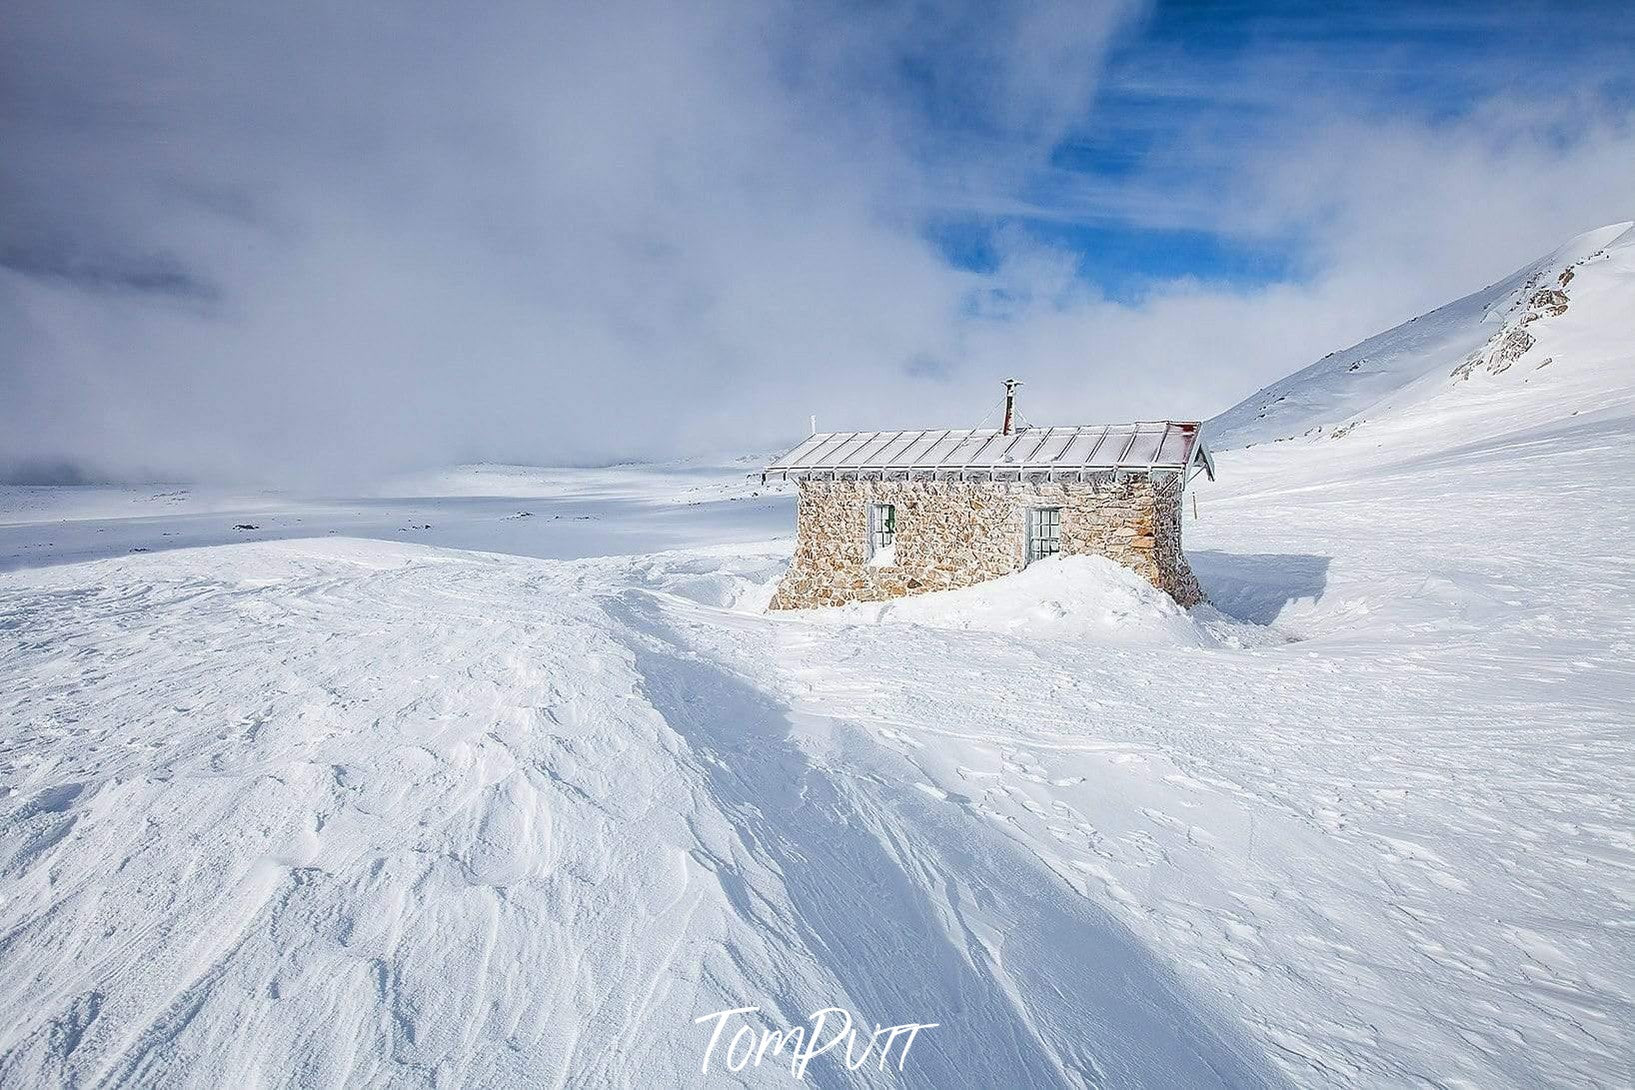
<point x="885" y="514"/>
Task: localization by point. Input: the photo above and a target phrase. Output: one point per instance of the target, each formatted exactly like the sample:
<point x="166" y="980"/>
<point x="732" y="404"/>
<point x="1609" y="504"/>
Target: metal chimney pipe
<point x="1010" y="406"/>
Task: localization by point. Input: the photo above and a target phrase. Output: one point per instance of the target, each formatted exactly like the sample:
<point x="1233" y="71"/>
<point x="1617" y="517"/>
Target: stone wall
<point x="955" y="533"/>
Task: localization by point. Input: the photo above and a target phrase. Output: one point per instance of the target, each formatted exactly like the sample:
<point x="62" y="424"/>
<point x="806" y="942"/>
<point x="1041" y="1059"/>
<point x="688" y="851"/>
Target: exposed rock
<point x="1512" y="347"/>
<point x="1548" y="301"/>
<point x="1505" y="349"/>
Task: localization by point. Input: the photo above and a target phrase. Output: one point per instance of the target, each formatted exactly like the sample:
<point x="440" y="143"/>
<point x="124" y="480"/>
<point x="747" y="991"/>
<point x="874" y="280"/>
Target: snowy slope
<point x="1393" y="367"/>
<point x="336" y="811"/>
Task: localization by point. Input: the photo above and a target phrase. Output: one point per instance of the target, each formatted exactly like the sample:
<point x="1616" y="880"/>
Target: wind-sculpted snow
<point x="1072" y="597"/>
<point x="331" y="811"/>
<point x="910" y="909"/>
<point x="360" y="813"/>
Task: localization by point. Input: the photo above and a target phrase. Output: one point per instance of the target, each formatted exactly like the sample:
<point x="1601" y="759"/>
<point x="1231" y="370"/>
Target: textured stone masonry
<point x="955" y="533"/>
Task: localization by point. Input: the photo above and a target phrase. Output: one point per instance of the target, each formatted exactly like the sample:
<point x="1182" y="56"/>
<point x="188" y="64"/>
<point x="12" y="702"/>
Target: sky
<point x="312" y="244"/>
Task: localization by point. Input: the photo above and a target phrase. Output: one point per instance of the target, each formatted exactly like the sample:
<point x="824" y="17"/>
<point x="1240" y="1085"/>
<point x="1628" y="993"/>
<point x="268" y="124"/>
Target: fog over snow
<point x="308" y="243"/>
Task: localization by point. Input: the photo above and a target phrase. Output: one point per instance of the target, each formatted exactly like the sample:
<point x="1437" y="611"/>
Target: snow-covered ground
<point x="529" y="511"/>
<point x="373" y="808"/>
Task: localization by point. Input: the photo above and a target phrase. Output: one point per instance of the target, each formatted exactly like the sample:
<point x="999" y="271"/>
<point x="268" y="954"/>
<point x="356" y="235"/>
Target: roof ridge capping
<point x="1147" y="446"/>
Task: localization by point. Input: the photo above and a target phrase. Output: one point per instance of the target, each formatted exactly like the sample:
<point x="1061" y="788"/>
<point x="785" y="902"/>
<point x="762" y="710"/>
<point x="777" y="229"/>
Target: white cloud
<point x="312" y="242"/>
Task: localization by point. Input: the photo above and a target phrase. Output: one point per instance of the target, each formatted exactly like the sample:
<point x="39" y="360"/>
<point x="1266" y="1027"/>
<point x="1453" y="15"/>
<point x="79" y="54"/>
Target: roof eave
<point x="1201" y="455"/>
<point x="869" y="452"/>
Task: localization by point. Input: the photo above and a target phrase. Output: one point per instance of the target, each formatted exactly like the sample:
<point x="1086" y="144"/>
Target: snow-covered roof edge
<point x="1148" y="446"/>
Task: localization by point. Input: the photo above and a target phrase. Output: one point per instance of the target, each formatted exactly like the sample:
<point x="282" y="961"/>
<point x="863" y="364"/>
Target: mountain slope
<point x="1483" y="330"/>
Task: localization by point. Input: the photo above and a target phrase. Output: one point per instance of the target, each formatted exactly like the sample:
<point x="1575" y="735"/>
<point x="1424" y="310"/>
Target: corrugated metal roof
<point x="1147" y="446"/>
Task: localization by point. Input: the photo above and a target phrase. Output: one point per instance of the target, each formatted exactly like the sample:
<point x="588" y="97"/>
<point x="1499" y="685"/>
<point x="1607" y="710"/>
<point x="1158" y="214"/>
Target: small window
<point x="1044" y="533"/>
<point x="882" y="534"/>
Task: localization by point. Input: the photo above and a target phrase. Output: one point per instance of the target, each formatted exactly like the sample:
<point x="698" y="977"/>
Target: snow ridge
<point x="1358" y="380"/>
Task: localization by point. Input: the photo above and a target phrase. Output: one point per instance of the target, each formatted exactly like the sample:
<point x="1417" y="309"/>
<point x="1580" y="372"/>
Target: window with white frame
<point x="882" y="534"/>
<point x="1044" y="533"/>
